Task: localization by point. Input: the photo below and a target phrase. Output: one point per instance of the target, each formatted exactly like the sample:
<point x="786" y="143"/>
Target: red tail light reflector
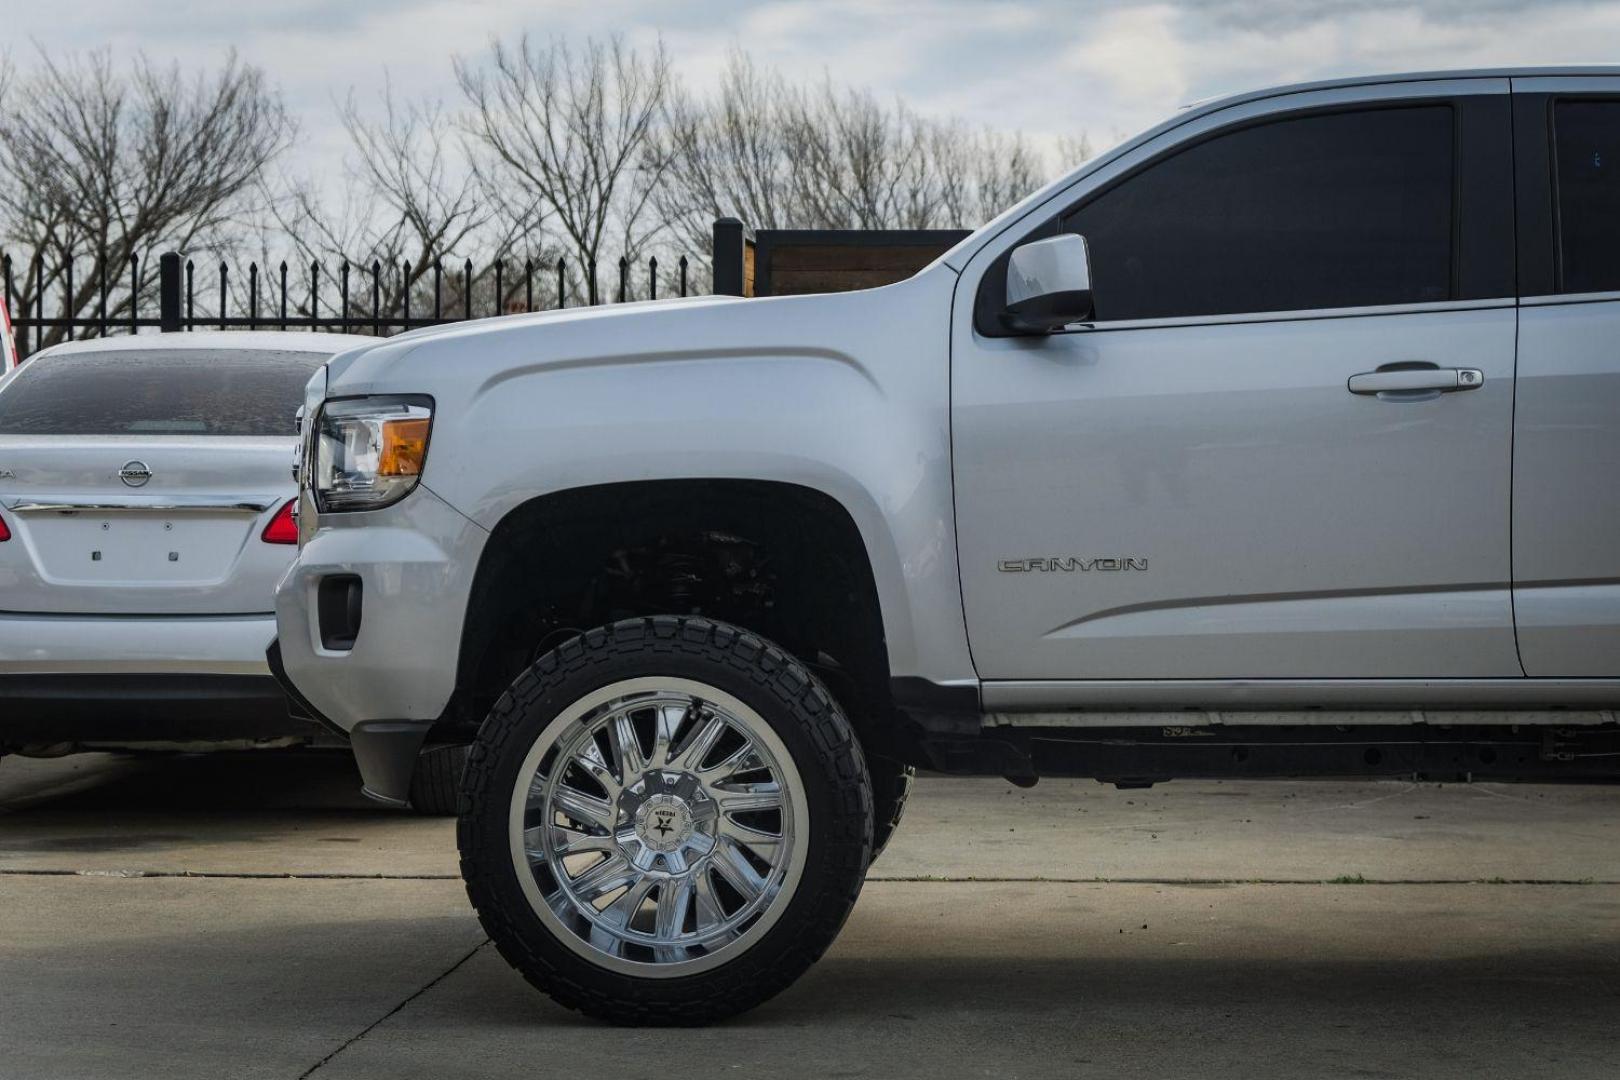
<point x="283" y="528"/>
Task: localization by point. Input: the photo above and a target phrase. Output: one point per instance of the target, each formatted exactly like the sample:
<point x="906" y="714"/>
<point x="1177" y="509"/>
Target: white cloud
<point x="1138" y="54"/>
<point x="1047" y="67"/>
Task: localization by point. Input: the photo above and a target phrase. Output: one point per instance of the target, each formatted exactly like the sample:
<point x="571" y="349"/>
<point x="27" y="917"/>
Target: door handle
<point x="1409" y="379"/>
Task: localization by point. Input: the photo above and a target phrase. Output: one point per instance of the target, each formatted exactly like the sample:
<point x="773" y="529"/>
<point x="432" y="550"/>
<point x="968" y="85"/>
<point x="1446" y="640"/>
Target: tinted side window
<point x="176" y="392"/>
<point x="1587" y="159"/>
<point x="1330" y="210"/>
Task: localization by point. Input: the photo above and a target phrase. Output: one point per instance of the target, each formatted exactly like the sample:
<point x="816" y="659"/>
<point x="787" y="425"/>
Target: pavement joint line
<point x="230" y="875"/>
<point x="991" y="880"/>
<point x="926" y="879"/>
<point x="369" y="1028"/>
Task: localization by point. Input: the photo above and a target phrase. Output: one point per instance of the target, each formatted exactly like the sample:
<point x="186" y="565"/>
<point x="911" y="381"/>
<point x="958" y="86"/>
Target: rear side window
<point x="1330" y="210"/>
<point x="1586" y="136"/>
<point x="158" y="392"/>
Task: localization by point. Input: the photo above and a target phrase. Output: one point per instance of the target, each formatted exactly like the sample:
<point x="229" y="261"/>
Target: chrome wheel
<point x="658" y="826"/>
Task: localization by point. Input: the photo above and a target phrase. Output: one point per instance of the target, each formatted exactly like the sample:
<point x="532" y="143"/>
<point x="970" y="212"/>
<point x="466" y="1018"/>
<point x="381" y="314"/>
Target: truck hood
<point x="471" y="333"/>
<point x="460" y="361"/>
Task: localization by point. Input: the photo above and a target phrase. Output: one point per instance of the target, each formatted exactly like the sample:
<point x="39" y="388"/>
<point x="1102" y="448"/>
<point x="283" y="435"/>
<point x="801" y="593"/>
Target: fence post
<point x="169" y="319"/>
<point x="728" y="257"/>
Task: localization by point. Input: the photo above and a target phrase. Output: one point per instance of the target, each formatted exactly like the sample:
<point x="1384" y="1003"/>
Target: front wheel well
<point x="782" y="560"/>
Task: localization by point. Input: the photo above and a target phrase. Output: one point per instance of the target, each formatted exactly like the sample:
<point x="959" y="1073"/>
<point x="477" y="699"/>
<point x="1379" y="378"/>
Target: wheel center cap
<point x="664" y="822"/>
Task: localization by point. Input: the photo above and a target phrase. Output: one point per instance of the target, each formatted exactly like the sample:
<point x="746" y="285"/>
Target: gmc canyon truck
<point x="1282" y="440"/>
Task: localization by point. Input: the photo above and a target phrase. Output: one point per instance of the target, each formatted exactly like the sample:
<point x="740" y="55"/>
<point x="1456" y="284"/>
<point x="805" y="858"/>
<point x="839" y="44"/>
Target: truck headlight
<point x="369" y="451"/>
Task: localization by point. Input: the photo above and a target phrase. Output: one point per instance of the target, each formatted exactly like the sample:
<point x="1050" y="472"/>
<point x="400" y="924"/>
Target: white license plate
<point x="88" y="548"/>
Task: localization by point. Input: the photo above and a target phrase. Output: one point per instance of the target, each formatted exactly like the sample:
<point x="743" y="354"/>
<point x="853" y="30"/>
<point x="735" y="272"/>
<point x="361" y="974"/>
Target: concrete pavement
<point x="1190" y="930"/>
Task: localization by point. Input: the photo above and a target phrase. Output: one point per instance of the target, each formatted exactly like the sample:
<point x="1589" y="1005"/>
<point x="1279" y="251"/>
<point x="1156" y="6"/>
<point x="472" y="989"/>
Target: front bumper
<point x="415" y="561"/>
<point x="385" y="751"/>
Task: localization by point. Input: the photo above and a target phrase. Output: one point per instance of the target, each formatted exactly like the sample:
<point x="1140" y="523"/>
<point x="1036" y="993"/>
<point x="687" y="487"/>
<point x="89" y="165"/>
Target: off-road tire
<point x="436" y="783"/>
<point x="891" y="787"/>
<point x="802" y="714"/>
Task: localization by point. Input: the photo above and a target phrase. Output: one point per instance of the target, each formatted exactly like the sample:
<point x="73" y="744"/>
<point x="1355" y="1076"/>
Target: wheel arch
<point x="542" y="572"/>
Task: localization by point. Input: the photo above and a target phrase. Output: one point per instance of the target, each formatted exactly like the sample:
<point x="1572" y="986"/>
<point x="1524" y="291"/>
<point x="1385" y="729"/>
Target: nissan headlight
<point x="369" y="451"/>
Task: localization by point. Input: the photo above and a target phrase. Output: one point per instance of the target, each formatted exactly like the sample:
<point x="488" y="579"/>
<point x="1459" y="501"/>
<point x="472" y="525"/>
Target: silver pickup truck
<point x="1283" y="439"/>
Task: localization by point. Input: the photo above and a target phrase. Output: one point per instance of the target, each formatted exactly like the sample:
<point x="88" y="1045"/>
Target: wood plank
<point x="901" y="257"/>
<point x="798" y="282"/>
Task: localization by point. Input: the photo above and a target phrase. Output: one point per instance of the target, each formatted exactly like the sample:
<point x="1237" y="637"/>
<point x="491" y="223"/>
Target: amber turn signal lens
<point x="404" y="445"/>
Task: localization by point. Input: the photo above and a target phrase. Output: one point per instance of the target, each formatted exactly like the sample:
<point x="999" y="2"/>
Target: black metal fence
<point x="381" y="298"/>
<point x="374" y="299"/>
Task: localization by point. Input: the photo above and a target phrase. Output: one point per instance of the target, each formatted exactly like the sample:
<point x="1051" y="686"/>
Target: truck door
<point x="1566" y="445"/>
<point x="1221" y="477"/>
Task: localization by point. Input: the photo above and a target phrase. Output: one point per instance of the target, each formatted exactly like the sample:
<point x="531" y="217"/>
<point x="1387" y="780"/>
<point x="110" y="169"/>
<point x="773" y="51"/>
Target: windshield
<point x="158" y="392"/>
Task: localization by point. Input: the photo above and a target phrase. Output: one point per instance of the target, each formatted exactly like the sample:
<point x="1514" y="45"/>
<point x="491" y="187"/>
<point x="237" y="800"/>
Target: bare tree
<point x="725" y="156"/>
<point x="1074" y="150"/>
<point x="851" y="157"/>
<point x="863" y="165"/>
<point x="410" y="215"/>
<point x="783" y="156"/>
<point x="1007" y="168"/>
<point x="572" y="127"/>
<point x="564" y="160"/>
<point x="106" y="167"/>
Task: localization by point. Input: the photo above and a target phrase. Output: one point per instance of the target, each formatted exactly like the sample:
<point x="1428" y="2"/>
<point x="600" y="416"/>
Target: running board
<point x="1101" y="702"/>
<point x="1202" y="718"/>
<point x="1137" y="756"/>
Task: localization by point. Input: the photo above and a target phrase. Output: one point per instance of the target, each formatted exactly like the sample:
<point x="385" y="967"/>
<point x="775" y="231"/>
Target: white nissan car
<point x="146" y="513"/>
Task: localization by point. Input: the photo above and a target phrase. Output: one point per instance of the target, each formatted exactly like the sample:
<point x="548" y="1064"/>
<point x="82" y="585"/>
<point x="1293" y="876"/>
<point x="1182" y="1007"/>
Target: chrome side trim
<point x="165" y="504"/>
<point x="1554" y="299"/>
<point x="1298" y="315"/>
<point x="1597" y="80"/>
<point x="1089" y="701"/>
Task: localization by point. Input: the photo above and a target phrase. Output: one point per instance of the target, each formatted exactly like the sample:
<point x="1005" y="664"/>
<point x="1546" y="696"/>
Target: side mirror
<point x="1048" y="285"/>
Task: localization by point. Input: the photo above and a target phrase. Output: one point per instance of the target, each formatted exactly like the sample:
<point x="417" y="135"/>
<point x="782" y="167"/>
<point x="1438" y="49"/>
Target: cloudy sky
<point x="1042" y="66"/>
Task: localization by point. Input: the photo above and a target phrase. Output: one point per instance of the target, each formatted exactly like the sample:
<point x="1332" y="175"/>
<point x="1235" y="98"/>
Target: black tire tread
<point x="436" y="783"/>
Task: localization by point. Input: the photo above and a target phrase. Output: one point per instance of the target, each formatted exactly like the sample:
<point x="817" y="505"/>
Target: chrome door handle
<point x="1419" y="379"/>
